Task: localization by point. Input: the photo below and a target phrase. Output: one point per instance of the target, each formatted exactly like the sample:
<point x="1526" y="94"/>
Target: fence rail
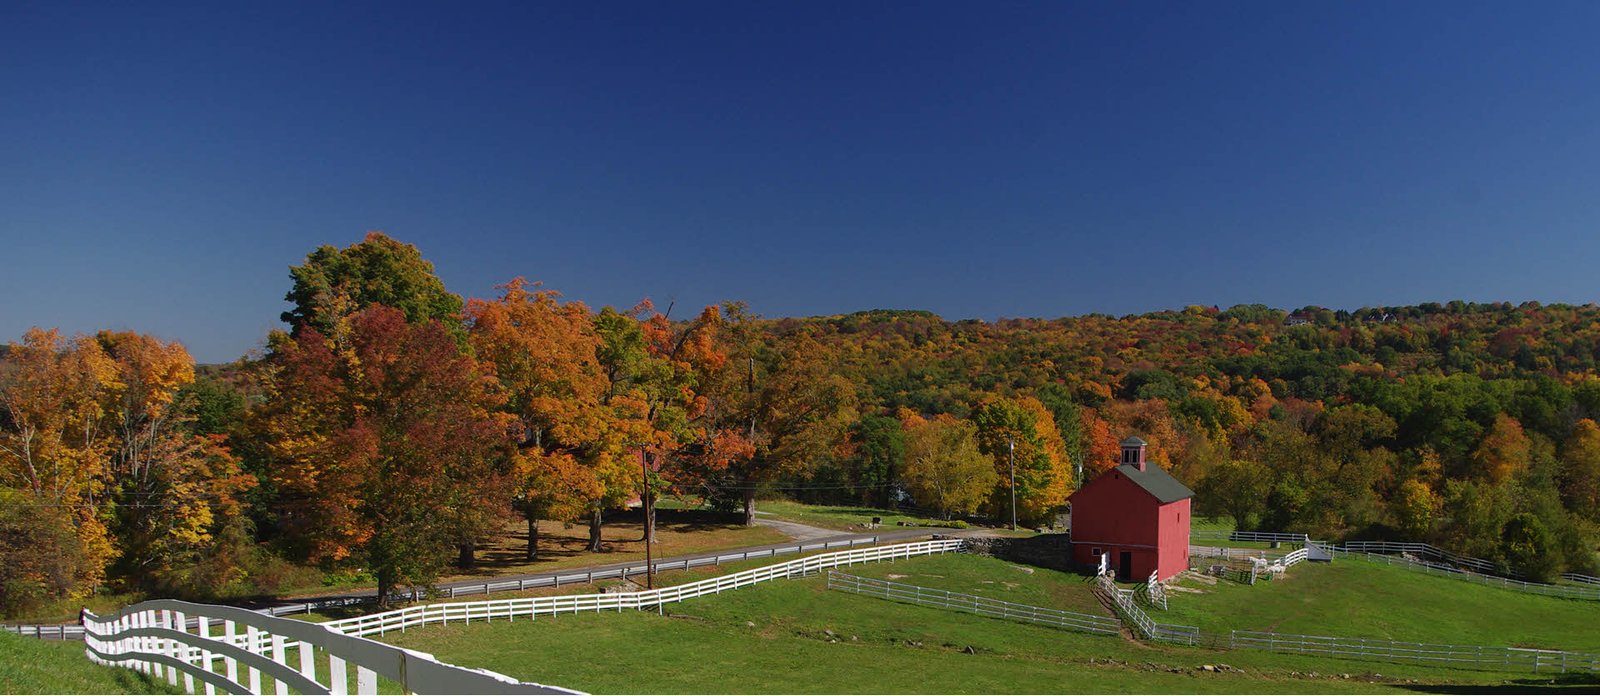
<point x="1139" y="622"/>
<point x="1428" y="551"/>
<point x="1248" y="536"/>
<point x="1564" y="591"/>
<point x="155" y="637"/>
<point x="533" y="607"/>
<point x="1463" y="656"/>
<point x="972" y="604"/>
<point x="75" y="632"/>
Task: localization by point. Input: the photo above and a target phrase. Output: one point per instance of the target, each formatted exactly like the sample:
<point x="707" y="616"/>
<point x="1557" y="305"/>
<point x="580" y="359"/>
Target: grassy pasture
<point x="32" y="666"/>
<point x="797" y="637"/>
<point x="1360" y="599"/>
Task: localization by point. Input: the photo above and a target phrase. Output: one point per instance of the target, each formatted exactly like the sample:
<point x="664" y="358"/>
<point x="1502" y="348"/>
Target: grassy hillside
<point x="797" y="637"/>
<point x="31" y="666"/>
<point x="1357" y="598"/>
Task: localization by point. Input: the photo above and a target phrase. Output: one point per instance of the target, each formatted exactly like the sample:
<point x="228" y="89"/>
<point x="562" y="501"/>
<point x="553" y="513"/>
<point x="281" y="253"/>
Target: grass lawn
<point x="1357" y="598"/>
<point x="986" y="577"/>
<point x="32" y="666"/>
<point x="850" y="518"/>
<point x="794" y="636"/>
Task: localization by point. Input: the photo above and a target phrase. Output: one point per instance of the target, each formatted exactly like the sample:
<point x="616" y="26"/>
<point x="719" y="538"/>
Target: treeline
<point x="394" y="426"/>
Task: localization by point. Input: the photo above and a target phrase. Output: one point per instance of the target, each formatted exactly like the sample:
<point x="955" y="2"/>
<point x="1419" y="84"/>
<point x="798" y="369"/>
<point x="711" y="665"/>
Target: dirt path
<point x="795" y="530"/>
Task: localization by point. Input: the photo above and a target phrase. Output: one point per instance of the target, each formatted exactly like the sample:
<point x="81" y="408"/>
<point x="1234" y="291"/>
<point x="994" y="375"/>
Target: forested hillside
<point x="393" y="425"/>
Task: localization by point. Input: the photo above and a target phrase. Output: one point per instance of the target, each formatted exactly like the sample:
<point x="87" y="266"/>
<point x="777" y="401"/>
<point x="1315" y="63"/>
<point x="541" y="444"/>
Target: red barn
<point x="1137" y="514"/>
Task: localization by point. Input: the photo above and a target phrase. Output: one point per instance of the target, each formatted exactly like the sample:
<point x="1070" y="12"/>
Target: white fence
<point x="1564" y="591"/>
<point x="1138" y="621"/>
<point x="75" y="632"/>
<point x="533" y="607"/>
<point x="1248" y="536"/>
<point x="1460" y="656"/>
<point x="972" y="604"/>
<point x="155" y="637"/>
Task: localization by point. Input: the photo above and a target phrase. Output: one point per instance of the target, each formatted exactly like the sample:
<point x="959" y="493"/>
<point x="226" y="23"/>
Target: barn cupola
<point x="1133" y="452"/>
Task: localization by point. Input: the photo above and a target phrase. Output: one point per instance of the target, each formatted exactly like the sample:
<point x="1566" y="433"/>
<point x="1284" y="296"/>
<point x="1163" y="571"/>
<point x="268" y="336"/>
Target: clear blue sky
<point x="162" y="167"/>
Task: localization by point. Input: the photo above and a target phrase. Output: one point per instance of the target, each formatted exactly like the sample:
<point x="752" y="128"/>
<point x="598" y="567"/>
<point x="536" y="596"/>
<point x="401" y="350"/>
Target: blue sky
<point x="161" y="167"/>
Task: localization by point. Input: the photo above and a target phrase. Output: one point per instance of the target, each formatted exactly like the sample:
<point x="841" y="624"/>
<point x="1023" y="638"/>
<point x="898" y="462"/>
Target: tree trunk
<point x="750" y="506"/>
<point x="533" y="539"/>
<point x="594" y="531"/>
<point x="467" y="555"/>
<point x="650" y="522"/>
<point x="385" y="587"/>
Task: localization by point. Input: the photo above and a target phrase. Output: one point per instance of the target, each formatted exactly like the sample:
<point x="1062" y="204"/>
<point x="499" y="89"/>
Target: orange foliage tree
<point x="381" y="447"/>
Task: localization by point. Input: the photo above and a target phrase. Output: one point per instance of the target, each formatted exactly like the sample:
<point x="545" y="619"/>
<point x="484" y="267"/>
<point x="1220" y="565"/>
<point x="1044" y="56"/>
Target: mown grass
<point x="32" y="666"/>
<point x="852" y="518"/>
<point x="1357" y="598"/>
<point x="984" y="577"/>
<point x="794" y="636"/>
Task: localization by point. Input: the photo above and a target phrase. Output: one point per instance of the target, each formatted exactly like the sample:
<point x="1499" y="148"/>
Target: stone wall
<point x="1044" y="550"/>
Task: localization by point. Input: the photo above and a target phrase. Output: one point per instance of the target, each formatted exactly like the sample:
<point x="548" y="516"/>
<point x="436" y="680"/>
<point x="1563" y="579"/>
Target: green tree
<point x="1237" y="488"/>
<point x="1530" y="549"/>
<point x="943" y="467"/>
<point x="335" y="283"/>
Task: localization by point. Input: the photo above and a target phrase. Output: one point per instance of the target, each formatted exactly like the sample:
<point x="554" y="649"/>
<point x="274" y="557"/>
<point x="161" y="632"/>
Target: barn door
<point x="1125" y="566"/>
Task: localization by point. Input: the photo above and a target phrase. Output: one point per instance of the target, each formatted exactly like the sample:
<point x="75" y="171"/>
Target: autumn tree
<point x="335" y="283"/>
<point x="180" y="523"/>
<point x="774" y="406"/>
<point x="1580" y="470"/>
<point x="1043" y="474"/>
<point x="378" y="447"/>
<point x="1504" y="451"/>
<point x="1102" y="449"/>
<point x="943" y="468"/>
<point x="545" y="356"/>
<point x="56" y="439"/>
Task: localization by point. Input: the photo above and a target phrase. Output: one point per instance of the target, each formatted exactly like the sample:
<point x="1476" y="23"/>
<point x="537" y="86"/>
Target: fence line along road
<point x="1466" y="656"/>
<point x="154" y="637"/>
<point x="533" y="607"/>
<point x="553" y="579"/>
<point x="972" y="604"/>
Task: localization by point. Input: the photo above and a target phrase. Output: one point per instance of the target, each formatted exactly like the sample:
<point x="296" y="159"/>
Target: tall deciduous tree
<point x="943" y="467"/>
<point x="180" y="518"/>
<point x="56" y="438"/>
<point x="1044" y="477"/>
<point x="545" y="355"/>
<point x="381" y="446"/>
<point x="1580" y="470"/>
<point x="334" y="283"/>
<point x="1504" y="451"/>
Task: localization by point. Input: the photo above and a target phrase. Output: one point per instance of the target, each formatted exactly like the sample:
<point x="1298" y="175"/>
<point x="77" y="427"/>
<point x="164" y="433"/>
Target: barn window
<point x="1096" y="551"/>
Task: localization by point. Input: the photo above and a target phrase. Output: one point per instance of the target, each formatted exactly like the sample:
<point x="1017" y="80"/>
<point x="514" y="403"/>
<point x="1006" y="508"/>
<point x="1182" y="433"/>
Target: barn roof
<point x="1157" y="482"/>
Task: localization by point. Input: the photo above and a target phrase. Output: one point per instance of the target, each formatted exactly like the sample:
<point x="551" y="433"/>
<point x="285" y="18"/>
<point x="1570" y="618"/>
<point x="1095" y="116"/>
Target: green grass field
<point x="1357" y="598"/>
<point x="794" y="636"/>
<point x="32" y="666"/>
<point x="845" y="518"/>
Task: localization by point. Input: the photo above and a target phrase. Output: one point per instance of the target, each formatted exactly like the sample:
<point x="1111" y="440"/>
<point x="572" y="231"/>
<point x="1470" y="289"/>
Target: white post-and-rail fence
<point x="533" y="607"/>
<point x="1460" y="656"/>
<point x="1589" y="592"/>
<point x="236" y="651"/>
<point x="972" y="604"/>
<point x="75" y="632"/>
<point x="1152" y="591"/>
<point x="1139" y="622"/>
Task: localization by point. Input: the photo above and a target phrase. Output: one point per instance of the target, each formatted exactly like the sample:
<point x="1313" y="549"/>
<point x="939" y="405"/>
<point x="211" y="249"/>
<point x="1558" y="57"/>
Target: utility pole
<point x="644" y="503"/>
<point x="1011" y="445"/>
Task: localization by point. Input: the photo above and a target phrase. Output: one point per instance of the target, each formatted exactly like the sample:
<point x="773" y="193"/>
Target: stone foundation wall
<point x="1045" y="551"/>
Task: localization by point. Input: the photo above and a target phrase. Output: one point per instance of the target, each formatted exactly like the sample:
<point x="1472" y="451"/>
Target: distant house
<point x="1137" y="515"/>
